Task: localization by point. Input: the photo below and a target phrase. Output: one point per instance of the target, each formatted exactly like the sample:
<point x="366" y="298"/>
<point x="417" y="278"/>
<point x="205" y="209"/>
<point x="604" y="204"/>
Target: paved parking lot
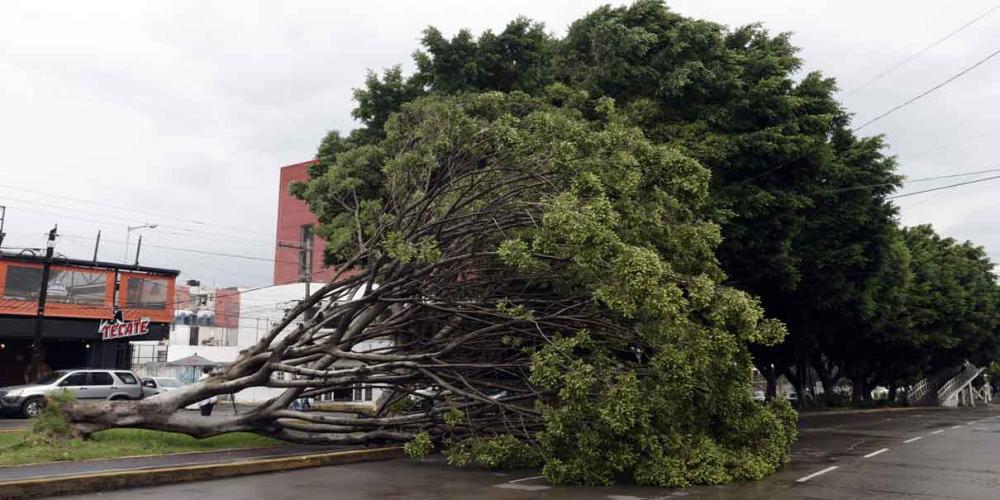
<point x="889" y="454"/>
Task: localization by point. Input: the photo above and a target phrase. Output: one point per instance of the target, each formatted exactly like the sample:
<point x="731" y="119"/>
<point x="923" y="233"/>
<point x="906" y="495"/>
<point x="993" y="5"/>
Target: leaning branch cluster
<point x="441" y="332"/>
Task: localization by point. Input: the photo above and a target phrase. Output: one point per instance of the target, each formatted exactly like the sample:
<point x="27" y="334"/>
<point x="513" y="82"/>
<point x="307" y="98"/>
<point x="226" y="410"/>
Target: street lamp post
<point x="128" y="235"/>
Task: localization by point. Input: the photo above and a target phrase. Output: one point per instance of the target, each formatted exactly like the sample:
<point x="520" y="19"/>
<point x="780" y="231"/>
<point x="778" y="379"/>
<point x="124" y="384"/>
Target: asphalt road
<point x="12" y="423"/>
<point x="884" y="455"/>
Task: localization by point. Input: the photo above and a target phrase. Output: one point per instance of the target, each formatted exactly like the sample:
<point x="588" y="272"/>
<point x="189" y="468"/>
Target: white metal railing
<point x="920" y="392"/>
<point x="958" y="382"/>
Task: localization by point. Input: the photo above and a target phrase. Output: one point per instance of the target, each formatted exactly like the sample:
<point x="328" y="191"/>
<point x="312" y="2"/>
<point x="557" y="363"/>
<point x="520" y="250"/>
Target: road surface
<point x="932" y="453"/>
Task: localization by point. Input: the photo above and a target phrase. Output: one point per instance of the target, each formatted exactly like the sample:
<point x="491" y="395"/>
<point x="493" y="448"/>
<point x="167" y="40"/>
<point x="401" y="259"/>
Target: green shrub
<point x="496" y="453"/>
<point x="52" y="424"/>
<point x="420" y="446"/>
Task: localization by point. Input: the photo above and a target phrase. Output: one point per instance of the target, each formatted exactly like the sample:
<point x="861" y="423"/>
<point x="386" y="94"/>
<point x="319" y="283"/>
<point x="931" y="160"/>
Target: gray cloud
<point x="187" y="109"/>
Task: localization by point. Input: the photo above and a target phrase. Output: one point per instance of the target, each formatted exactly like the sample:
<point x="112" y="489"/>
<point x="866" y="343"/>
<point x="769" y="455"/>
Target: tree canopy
<point x="572" y="251"/>
<point x="802" y="203"/>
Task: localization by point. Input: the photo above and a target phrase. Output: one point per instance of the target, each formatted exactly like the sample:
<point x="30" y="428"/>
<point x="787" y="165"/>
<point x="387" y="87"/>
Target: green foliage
<point x="682" y="156"/>
<point x="454" y="417"/>
<point x="503" y="452"/>
<point x="623" y="224"/>
<point x="420" y="446"/>
<point x="52" y="424"/>
<point x="402" y="406"/>
<point x="424" y="250"/>
<point x="26" y="448"/>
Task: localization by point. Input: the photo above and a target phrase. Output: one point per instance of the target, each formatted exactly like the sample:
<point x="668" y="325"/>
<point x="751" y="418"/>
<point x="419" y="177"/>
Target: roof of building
<point x="93" y="264"/>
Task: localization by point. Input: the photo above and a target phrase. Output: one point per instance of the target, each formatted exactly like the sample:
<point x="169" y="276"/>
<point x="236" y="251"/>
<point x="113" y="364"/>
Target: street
<point x="932" y="453"/>
<point x="13" y="423"/>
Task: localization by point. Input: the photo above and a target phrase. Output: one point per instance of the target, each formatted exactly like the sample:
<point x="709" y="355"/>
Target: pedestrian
<point x="206" y="405"/>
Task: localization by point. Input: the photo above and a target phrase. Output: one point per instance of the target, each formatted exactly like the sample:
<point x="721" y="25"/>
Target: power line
<point x="939" y="188"/>
<point x="105" y="216"/>
<point x="949" y="145"/>
<point x="928" y="91"/>
<point x="922" y="51"/>
<point x="192" y="250"/>
<point x="908" y="181"/>
<point x="123" y="207"/>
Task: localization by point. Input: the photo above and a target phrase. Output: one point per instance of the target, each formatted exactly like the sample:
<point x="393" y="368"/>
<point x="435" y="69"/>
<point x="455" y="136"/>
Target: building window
<point x="362" y="392"/>
<point x="146" y="293"/>
<point x="305" y="251"/>
<point x="343" y="394"/>
<point x="22" y="283"/>
<point x="161" y="356"/>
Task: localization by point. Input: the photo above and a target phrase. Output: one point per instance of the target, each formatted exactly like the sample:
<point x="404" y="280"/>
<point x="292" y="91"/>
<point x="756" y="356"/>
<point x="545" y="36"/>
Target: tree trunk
<point x="772" y="385"/>
<point x="893" y="387"/>
<point x="857" y="390"/>
<point x="828" y="374"/>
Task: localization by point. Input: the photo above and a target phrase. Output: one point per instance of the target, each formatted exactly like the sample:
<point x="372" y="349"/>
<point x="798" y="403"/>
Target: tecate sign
<point x="111" y="330"/>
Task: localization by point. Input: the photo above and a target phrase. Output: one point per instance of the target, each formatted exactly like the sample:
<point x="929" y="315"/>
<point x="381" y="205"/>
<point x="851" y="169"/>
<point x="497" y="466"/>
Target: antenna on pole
<point x="97" y="244"/>
<point x="3" y="215"/>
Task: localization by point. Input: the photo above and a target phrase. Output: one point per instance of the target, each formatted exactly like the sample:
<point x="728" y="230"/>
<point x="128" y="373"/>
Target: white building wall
<point x="259" y="311"/>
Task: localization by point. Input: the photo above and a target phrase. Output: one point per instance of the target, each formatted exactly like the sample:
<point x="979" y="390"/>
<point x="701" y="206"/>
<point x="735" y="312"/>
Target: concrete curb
<point x="890" y="409"/>
<point x="155" y="476"/>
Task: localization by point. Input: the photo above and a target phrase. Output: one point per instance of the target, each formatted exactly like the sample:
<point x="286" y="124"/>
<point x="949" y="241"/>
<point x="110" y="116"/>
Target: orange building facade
<point x="92" y="311"/>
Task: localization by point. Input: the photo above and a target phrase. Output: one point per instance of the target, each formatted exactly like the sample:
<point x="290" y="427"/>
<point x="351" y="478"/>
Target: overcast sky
<point x="181" y="113"/>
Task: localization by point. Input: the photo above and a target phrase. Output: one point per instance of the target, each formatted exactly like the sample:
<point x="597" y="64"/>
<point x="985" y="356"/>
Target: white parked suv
<point x="158" y="385"/>
<point x="29" y="400"/>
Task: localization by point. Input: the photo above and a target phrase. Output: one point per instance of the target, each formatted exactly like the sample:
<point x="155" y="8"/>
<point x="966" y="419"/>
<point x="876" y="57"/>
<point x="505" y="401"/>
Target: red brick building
<point x="299" y="252"/>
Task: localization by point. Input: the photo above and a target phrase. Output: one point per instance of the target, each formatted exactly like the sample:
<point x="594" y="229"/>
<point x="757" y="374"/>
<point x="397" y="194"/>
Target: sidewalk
<point x="90" y="476"/>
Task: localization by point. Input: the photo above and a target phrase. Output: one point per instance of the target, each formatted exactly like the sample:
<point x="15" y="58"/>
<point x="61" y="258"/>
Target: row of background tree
<point x="803" y="202"/>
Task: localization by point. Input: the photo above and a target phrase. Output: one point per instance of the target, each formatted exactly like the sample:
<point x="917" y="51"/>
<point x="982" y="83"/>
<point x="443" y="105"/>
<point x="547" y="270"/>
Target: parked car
<point x="29" y="400"/>
<point x="157" y="385"/>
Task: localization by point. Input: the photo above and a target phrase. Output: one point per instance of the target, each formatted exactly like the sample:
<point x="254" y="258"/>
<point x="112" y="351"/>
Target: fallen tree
<point x="531" y="281"/>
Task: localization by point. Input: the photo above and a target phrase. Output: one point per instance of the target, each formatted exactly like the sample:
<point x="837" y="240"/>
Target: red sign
<point x="111" y="330"/>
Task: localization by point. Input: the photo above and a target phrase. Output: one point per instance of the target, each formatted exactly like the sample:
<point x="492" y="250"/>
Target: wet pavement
<point x="13" y="424"/>
<point x="889" y="454"/>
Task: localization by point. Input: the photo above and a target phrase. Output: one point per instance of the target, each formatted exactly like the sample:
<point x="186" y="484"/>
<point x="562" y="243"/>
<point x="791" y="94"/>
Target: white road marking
<point x="913" y="439"/>
<point x="969" y="423"/>
<point x="525" y="479"/>
<point x="510" y="485"/>
<point x="522" y="487"/>
<point x="877" y="452"/>
<point x="939" y="431"/>
<point x="956" y="427"/>
<point x="814" y="474"/>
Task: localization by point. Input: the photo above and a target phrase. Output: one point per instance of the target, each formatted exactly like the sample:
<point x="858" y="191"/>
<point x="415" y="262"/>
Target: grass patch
<point x="17" y="448"/>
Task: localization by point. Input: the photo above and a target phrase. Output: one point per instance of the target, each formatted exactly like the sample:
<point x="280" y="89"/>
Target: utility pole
<point x="128" y="235"/>
<point x="37" y="366"/>
<point x="138" y="247"/>
<point x="3" y="215"/>
<point x="307" y="241"/>
<point x="97" y="244"/>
